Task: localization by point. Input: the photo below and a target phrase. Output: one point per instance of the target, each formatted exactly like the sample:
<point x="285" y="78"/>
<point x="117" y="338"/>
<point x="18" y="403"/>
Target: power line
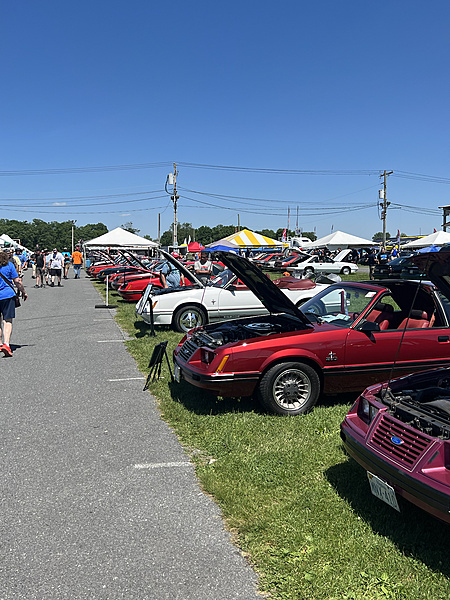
<point x="56" y="205"/>
<point x="84" y="169"/>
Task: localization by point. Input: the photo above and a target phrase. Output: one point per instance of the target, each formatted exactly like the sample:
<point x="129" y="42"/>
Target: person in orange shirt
<point x="77" y="261"/>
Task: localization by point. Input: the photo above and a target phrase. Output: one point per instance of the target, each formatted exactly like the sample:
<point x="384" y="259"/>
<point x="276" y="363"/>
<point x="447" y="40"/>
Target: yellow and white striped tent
<point x="249" y="239"/>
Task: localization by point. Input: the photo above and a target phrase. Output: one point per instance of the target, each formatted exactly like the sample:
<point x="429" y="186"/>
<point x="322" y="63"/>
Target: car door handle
<point x="442" y="338"/>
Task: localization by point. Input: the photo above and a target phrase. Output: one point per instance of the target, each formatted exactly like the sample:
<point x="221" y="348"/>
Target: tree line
<point x="206" y="235"/>
<point x="56" y="234"/>
<point x="49" y="235"/>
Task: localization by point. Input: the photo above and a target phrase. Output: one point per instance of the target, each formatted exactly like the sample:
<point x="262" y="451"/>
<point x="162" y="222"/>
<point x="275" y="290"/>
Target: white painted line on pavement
<point x="126" y="379"/>
<point x="162" y="465"/>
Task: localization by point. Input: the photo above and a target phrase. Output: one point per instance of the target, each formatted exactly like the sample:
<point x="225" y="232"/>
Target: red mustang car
<point x="346" y="337"/>
<point x="132" y="289"/>
<point x="399" y="430"/>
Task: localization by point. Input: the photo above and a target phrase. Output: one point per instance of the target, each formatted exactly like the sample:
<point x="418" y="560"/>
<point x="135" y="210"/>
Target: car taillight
<point x="207" y="356"/>
<point x="366" y="411"/>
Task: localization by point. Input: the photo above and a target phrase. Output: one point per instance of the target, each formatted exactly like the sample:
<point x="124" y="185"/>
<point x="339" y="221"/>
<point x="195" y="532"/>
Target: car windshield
<point x="340" y="305"/>
<point x="222" y="279"/>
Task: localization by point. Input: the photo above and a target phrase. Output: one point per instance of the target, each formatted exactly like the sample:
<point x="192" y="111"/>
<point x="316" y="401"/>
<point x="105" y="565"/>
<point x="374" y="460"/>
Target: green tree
<point x="379" y="236"/>
<point x="128" y="226"/>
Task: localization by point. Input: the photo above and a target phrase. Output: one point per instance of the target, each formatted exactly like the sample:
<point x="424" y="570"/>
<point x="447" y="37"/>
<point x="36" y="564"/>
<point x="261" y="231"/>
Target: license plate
<point x="176" y="372"/>
<point x="383" y="491"/>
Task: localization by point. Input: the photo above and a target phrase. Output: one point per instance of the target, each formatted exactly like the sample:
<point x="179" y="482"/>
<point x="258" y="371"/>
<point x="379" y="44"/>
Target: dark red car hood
<point x="436" y="265"/>
<point x="267" y="292"/>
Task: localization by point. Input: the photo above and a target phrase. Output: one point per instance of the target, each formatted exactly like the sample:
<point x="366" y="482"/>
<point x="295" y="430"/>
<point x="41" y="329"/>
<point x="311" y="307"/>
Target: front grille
<point x="187" y="350"/>
<point x="413" y="445"/>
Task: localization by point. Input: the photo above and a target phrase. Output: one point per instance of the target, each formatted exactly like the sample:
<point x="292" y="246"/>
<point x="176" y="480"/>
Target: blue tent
<point x="220" y="247"/>
<point x="431" y="248"/>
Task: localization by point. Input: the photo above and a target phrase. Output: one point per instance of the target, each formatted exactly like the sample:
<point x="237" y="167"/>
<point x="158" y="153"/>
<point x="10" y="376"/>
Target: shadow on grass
<point x="413" y="531"/>
<point x="202" y="402"/>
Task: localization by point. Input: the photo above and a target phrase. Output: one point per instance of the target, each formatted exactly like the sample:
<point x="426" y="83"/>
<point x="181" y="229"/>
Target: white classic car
<point x="315" y="264"/>
<point x="224" y="297"/>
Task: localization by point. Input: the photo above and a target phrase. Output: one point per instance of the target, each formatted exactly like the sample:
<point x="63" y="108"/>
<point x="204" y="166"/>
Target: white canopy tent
<point x="120" y="238"/>
<point x="5" y="240"/>
<point x="342" y="240"/>
<point x="438" y="238"/>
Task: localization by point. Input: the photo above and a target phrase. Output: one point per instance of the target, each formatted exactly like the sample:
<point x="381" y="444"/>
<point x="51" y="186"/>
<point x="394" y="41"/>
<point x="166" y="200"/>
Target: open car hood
<point x="436" y="265"/>
<point x="267" y="292"/>
<point x="189" y="274"/>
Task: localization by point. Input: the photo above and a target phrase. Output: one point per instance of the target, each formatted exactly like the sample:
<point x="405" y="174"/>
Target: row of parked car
<point x="307" y="264"/>
<point x="287" y="342"/>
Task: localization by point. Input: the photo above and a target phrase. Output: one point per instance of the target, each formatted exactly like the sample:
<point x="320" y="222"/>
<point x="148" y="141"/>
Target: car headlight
<point x="207" y="356"/>
<point x="366" y="410"/>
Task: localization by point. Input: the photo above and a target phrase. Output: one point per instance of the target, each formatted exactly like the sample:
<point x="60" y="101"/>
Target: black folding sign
<point x="155" y="364"/>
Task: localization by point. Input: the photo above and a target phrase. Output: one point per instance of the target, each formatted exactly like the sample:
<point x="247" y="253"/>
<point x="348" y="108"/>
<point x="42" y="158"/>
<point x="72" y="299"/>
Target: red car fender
<point x="287" y="355"/>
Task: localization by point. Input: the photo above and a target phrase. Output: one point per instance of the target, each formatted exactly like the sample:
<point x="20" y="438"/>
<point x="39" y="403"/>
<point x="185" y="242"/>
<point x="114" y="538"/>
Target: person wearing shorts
<point x="40" y="268"/>
<point x="7" y="303"/>
<point x="56" y="267"/>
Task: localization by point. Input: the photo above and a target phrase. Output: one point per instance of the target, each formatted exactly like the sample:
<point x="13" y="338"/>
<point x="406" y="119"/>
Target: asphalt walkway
<point x="98" y="498"/>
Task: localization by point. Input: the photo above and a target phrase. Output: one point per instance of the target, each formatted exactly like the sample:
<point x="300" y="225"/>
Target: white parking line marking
<point x="126" y="379"/>
<point x="162" y="465"/>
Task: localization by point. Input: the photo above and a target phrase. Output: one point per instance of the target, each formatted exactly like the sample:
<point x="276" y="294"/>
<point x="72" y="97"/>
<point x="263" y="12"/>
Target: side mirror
<point x="369" y="327"/>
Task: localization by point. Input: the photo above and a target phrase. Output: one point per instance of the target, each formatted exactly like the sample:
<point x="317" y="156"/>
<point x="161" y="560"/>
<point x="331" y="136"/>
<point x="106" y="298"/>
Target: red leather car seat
<point x="383" y="314"/>
<point x="417" y="320"/>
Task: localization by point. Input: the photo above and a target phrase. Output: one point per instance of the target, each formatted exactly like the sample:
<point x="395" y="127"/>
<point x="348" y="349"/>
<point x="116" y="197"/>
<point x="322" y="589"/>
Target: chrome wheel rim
<point x="291" y="389"/>
<point x="190" y="319"/>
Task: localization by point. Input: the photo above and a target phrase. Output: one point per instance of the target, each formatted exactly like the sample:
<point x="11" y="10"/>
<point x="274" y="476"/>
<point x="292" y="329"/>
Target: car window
<point x="340" y="305"/>
<point x="222" y="279"/>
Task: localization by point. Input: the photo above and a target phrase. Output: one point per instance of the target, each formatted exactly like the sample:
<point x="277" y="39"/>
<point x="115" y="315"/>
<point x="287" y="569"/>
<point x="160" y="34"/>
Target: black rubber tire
<point x="289" y="388"/>
<point x="346" y="270"/>
<point x="308" y="270"/>
<point x="188" y="317"/>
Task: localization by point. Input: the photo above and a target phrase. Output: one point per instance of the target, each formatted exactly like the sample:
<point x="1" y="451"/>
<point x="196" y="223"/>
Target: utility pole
<point x="73" y="223"/>
<point x="384" y="205"/>
<point x="172" y="180"/>
<point x="175" y="198"/>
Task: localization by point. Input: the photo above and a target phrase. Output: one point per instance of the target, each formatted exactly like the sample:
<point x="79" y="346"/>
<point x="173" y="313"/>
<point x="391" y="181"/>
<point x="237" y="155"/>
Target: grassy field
<point x="297" y="506"/>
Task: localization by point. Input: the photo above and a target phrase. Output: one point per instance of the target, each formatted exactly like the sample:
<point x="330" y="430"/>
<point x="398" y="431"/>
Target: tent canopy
<point x="250" y="239"/>
<point x="438" y="238"/>
<point x="122" y="238"/>
<point x="224" y="244"/>
<point x="224" y="248"/>
<point x="342" y="240"/>
<point x="195" y="247"/>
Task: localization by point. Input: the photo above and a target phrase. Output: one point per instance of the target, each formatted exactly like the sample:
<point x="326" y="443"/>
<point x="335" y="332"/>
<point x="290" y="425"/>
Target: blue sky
<point x="310" y="101"/>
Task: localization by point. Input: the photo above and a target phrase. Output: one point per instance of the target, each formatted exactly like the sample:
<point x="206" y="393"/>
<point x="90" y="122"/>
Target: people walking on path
<point x="17" y="262"/>
<point x="8" y="276"/>
<point x="40" y="268"/>
<point x="66" y="255"/>
<point x="77" y="260"/>
<point x="47" y="256"/>
<point x="56" y="267"/>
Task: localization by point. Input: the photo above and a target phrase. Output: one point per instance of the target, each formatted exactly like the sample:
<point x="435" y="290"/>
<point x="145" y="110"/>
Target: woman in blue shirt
<point x="7" y="304"/>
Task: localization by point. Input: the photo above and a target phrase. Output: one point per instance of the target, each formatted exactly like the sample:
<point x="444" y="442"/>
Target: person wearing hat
<point x="56" y="267"/>
<point x="66" y="255"/>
